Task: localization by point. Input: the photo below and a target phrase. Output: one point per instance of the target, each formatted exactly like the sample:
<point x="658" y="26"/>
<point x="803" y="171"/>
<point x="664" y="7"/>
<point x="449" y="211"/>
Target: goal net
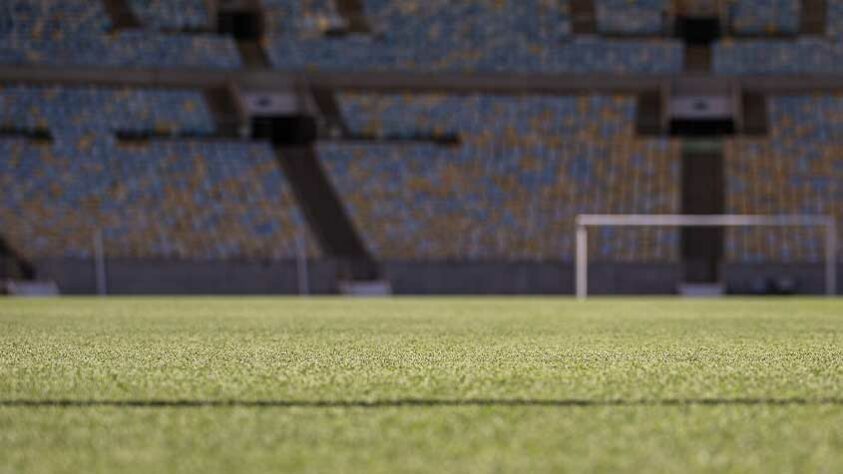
<point x="586" y="221"/>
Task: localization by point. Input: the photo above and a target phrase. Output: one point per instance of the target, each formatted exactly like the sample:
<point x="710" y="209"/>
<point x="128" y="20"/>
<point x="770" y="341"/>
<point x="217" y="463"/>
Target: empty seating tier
<point x="525" y="168"/>
<point x="778" y="57"/>
<point x="834" y="19"/>
<point x="632" y="17"/>
<point x="798" y="170"/>
<point x="77" y="32"/>
<point x="188" y="200"/>
<point x="173" y="14"/>
<point x="66" y="110"/>
<point x="577" y="56"/>
<point x="439" y="35"/>
<point x="764" y="17"/>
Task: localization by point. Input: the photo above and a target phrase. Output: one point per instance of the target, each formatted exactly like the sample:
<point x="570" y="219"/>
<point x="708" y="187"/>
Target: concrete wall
<point x="528" y="278"/>
<point x="132" y="277"/>
<point x="809" y="278"/>
<point x="138" y="277"/>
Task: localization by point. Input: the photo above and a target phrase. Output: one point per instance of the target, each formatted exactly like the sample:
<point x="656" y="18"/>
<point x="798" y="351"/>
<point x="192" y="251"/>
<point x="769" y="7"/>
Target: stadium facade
<point x="245" y="146"/>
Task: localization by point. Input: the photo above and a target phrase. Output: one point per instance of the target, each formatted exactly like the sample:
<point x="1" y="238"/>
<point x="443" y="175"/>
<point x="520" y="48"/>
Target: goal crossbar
<point x="584" y="221"/>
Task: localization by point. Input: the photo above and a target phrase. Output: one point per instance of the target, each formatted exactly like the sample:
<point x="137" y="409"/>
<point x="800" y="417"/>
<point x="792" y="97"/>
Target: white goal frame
<point x="584" y="221"/>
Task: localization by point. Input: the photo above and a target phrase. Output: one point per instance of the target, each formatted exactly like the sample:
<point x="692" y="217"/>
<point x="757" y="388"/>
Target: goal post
<point x="584" y="221"/>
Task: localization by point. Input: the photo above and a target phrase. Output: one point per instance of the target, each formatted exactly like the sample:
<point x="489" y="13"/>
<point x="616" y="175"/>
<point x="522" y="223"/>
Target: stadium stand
<point x="302" y="18"/>
<point x="764" y="17"/>
<point x="513" y="187"/>
<point x="770" y="56"/>
<point x="476" y="36"/>
<point x="149" y="167"/>
<point x="778" y="57"/>
<point x="636" y="17"/>
<point x="182" y="200"/>
<point x="796" y="170"/>
<point x="53" y="19"/>
<point x="124" y="49"/>
<point x="834" y="19"/>
<point x="169" y="14"/>
<point x="78" y="32"/>
<point x="582" y="55"/>
<point x="64" y="110"/>
<point x="471" y="21"/>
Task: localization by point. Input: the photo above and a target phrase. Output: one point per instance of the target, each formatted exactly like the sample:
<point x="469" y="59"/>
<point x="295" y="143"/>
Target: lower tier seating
<point x="797" y="170"/>
<point x="525" y="168"/>
<point x="766" y="177"/>
<point x="190" y="200"/>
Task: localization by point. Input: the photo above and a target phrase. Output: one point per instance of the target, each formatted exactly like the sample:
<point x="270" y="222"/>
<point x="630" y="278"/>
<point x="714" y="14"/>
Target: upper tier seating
<point x="179" y="198"/>
<point x="834" y="18"/>
<point x="301" y="18"/>
<point x="53" y="19"/>
<point x="432" y="35"/>
<point x="65" y="110"/>
<point x="439" y="35"/>
<point x="173" y="14"/>
<point x="765" y="17"/>
<point x="188" y="200"/>
<point x="77" y="32"/>
<point x="805" y="55"/>
<point x="798" y="170"/>
<point x="525" y="168"/>
<point x="632" y="17"/>
<point x="577" y="56"/>
<point x="776" y="57"/>
<point x="470" y="21"/>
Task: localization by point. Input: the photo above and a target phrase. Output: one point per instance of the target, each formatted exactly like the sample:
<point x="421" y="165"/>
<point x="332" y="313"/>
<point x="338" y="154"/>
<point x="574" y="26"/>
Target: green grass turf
<point x="412" y="385"/>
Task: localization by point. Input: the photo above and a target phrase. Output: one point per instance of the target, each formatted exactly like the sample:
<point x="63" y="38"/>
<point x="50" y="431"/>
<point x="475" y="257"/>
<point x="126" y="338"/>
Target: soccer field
<point x="412" y="385"/>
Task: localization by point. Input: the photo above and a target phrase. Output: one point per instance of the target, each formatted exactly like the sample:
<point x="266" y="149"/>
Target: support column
<point x="582" y="262"/>
<point x="703" y="193"/>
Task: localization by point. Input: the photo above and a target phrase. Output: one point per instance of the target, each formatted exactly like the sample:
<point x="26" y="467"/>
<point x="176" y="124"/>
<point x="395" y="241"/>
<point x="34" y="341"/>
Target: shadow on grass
<point x="410" y="402"/>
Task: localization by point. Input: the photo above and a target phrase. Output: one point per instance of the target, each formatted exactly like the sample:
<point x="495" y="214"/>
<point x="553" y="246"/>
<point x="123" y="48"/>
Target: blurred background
<point x="414" y="146"/>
